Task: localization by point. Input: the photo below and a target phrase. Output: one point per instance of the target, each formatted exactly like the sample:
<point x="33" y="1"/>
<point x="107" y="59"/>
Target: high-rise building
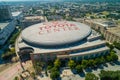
<point x="5" y="12"/>
<point x="7" y="25"/>
<point x="6" y="29"/>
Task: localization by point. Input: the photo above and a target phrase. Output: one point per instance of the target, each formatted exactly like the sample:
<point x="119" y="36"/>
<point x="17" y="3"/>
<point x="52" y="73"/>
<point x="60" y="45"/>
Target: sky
<point x="30" y="0"/>
<point x="17" y="0"/>
<point x="27" y="0"/>
<point x="12" y="0"/>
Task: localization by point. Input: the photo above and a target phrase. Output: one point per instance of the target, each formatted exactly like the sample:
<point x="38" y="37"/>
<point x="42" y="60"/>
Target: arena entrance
<point x="24" y="53"/>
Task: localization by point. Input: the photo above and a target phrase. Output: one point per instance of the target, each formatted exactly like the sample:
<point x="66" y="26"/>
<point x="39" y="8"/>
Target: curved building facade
<point x="63" y="40"/>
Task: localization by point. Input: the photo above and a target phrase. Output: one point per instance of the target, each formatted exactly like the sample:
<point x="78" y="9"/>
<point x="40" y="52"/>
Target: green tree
<point x="108" y="58"/>
<point x="13" y="38"/>
<point x="98" y="61"/>
<point x="49" y="67"/>
<point x="54" y="75"/>
<point x="84" y="63"/>
<point x="57" y="63"/>
<point x="46" y="73"/>
<point x="16" y="78"/>
<point x="54" y="69"/>
<point x="38" y="69"/>
<point x="71" y="64"/>
<point x="102" y="59"/>
<point x="110" y="46"/>
<point x="7" y="55"/>
<point x="38" y="66"/>
<point x="92" y="17"/>
<point x="33" y="75"/>
<point x="91" y="62"/>
<point x="117" y="44"/>
<point x="91" y="76"/>
<point x="114" y="57"/>
<point x="79" y="68"/>
<point x="102" y="37"/>
<point x="109" y="75"/>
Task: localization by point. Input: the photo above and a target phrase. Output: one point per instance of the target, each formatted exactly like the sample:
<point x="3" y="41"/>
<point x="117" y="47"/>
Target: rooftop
<point x="14" y="14"/>
<point x="3" y="25"/>
<point x="55" y="33"/>
<point x="103" y="22"/>
<point x="72" y="47"/>
<point x="34" y="17"/>
<point x="115" y="30"/>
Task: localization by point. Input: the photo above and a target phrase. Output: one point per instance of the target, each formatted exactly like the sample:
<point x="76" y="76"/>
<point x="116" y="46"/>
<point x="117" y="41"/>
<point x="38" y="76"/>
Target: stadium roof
<point x="55" y="33"/>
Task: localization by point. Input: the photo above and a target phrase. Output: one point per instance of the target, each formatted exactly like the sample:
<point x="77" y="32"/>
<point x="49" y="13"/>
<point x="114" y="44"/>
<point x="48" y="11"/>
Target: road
<point x="11" y="72"/>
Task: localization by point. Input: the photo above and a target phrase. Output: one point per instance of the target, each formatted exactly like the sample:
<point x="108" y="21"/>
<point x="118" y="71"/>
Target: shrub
<point x="91" y="76"/>
<point x="54" y="75"/>
<point x="109" y="75"/>
<point x="71" y="64"/>
<point x="79" y="68"/>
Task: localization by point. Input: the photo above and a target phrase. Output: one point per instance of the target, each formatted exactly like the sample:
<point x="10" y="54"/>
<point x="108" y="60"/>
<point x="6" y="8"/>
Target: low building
<point x="109" y="29"/>
<point x="30" y="20"/>
<point x="54" y="17"/>
<point x="112" y="34"/>
<point x="100" y="24"/>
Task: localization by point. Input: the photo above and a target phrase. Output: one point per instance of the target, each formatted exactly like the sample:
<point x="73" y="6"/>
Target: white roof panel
<point x="55" y="33"/>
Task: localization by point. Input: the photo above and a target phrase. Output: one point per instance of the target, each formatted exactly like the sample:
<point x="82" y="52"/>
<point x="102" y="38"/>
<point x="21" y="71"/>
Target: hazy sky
<point x="31" y="0"/>
<point x="16" y="0"/>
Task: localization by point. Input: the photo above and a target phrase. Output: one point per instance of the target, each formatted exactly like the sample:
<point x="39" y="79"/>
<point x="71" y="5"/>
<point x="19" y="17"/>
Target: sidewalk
<point x="11" y="72"/>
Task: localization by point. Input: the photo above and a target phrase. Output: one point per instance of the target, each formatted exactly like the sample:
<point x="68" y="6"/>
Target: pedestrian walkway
<point x="11" y="72"/>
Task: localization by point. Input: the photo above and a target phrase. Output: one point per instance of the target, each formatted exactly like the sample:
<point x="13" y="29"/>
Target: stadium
<point x="60" y="39"/>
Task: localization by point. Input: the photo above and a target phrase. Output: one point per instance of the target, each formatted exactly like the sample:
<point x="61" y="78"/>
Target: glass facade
<point x="5" y="13"/>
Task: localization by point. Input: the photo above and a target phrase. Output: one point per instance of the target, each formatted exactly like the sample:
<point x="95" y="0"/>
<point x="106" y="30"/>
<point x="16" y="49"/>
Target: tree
<point x="71" y="64"/>
<point x="114" y="57"/>
<point x="92" y="17"/>
<point x="98" y="61"/>
<point x="79" y="68"/>
<point x="7" y="55"/>
<point x="85" y="63"/>
<point x="108" y="58"/>
<point x="91" y="62"/>
<point x="33" y="75"/>
<point x="49" y="67"/>
<point x="102" y="59"/>
<point x="109" y="75"/>
<point x="54" y="75"/>
<point x="16" y="78"/>
<point x="38" y="69"/>
<point x="38" y="66"/>
<point x="57" y="63"/>
<point x="102" y="37"/>
<point x="91" y="76"/>
<point x="46" y="73"/>
<point x="13" y="38"/>
<point x="117" y="44"/>
<point x="110" y="46"/>
<point x="12" y="49"/>
<point x="54" y="69"/>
